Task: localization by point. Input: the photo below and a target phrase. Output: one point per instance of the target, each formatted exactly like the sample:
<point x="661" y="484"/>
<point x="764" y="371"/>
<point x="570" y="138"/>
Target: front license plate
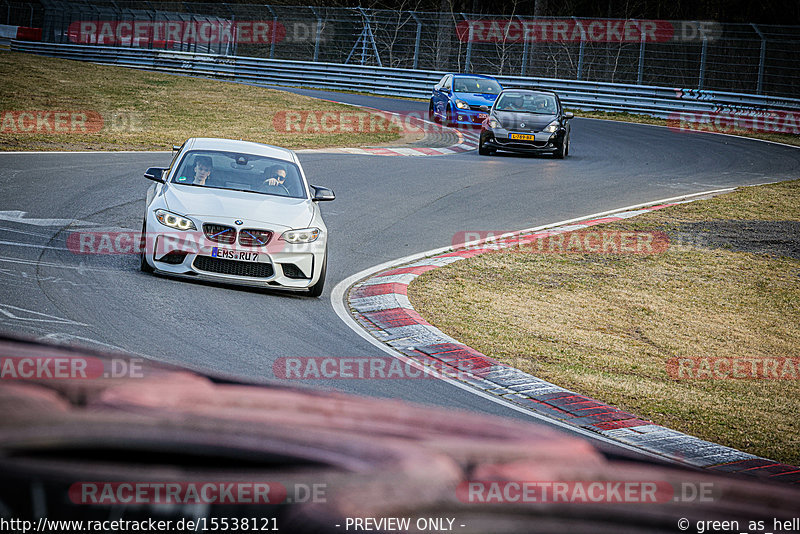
<point x="522" y="137"/>
<point x="482" y="115"/>
<point x="238" y="255"/>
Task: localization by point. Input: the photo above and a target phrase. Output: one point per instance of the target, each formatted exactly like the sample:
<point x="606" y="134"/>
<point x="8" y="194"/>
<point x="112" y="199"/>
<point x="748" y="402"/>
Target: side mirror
<point x="569" y="115"/>
<point x="155" y="173"/>
<point x="322" y="194"/>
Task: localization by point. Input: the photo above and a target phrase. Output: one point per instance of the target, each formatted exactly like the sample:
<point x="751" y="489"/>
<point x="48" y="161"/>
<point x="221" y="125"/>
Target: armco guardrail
<point x="655" y="101"/>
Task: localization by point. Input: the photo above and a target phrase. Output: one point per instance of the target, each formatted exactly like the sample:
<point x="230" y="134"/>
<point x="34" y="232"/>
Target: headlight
<point x="494" y="123"/>
<point x="460" y="104"/>
<point x="304" y="235"/>
<point x="173" y="220"/>
<point x="552" y="127"/>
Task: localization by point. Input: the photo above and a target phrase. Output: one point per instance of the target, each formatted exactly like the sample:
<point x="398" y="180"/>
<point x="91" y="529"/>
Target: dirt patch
<point x="773" y="238"/>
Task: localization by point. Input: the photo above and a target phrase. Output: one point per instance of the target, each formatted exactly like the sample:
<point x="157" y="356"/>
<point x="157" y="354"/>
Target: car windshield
<point x="240" y="172"/>
<point x="527" y="102"/>
<point x="476" y="85"/>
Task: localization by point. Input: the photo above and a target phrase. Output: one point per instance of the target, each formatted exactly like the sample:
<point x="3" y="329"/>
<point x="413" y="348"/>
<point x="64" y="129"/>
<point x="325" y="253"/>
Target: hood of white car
<point x="207" y="203"/>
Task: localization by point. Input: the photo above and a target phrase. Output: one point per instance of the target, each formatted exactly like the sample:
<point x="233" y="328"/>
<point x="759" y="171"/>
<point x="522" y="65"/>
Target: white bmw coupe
<point x="237" y="212"/>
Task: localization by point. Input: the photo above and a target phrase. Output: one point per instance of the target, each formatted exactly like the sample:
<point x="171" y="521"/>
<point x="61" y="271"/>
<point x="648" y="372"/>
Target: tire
<point x="143" y="265"/>
<point x="316" y="289"/>
<point x="448" y="121"/>
<point x="431" y="113"/>
<point x="483" y="151"/>
<point x="563" y="149"/>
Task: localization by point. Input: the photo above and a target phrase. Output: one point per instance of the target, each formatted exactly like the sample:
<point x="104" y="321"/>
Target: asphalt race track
<point x="386" y="208"/>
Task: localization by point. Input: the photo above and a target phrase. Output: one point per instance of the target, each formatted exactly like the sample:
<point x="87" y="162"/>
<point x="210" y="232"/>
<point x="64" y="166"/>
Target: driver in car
<point x="274" y="175"/>
<point x="514" y="103"/>
<point x="542" y="105"/>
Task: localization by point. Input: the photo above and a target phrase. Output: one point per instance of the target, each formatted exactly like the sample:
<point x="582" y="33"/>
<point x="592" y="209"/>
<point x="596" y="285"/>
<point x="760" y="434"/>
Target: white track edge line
<point x="338" y="296"/>
<point x="339" y="293"/>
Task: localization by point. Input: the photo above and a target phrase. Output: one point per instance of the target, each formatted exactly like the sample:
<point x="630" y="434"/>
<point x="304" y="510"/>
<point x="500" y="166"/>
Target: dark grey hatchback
<point x="528" y="121"/>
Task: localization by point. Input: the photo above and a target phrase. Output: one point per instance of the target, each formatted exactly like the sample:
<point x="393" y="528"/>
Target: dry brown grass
<point x="151" y="111"/>
<point x="605" y="325"/>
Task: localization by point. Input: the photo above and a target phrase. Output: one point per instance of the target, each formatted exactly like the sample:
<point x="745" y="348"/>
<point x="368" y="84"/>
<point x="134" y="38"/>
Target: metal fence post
<point x="703" y="54"/>
<point x="133" y="18"/>
<point x="235" y="33"/>
<point x="524" y="48"/>
<point x="640" y="74"/>
<point x="364" y="33"/>
<point x="468" y="59"/>
<point x="274" y="28"/>
<point x="193" y="21"/>
<point x="95" y="16"/>
<point x="581" y="49"/>
<point x="374" y="45"/>
<point x="152" y="14"/>
<point x="151" y="34"/>
<point x="762" y="57"/>
<point x="116" y="18"/>
<point x="417" y="40"/>
<point x="319" y="30"/>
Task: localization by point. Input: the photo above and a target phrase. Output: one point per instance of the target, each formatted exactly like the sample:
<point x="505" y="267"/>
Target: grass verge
<point x="147" y="110"/>
<point x="606" y="325"/>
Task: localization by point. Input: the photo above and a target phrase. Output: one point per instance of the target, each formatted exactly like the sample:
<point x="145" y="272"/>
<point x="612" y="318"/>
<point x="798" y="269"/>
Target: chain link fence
<point x="21" y="14"/>
<point x="743" y="58"/>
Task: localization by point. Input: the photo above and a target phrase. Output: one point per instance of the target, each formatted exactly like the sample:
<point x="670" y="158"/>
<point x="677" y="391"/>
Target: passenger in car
<point x="203" y="166"/>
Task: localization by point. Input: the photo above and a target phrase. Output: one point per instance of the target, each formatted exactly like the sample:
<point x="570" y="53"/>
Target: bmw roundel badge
<point x="239" y="222"/>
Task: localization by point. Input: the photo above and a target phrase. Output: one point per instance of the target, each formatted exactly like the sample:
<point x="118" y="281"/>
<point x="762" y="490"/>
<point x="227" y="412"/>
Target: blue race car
<point x="463" y="99"/>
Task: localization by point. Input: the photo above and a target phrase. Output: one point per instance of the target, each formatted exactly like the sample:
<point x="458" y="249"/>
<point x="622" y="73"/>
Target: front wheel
<point x="482" y="150"/>
<point x="143" y="265"/>
<point x="316" y="289"/>
<point x="448" y="120"/>
<point x="563" y="149"/>
<point x="432" y="113"/>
